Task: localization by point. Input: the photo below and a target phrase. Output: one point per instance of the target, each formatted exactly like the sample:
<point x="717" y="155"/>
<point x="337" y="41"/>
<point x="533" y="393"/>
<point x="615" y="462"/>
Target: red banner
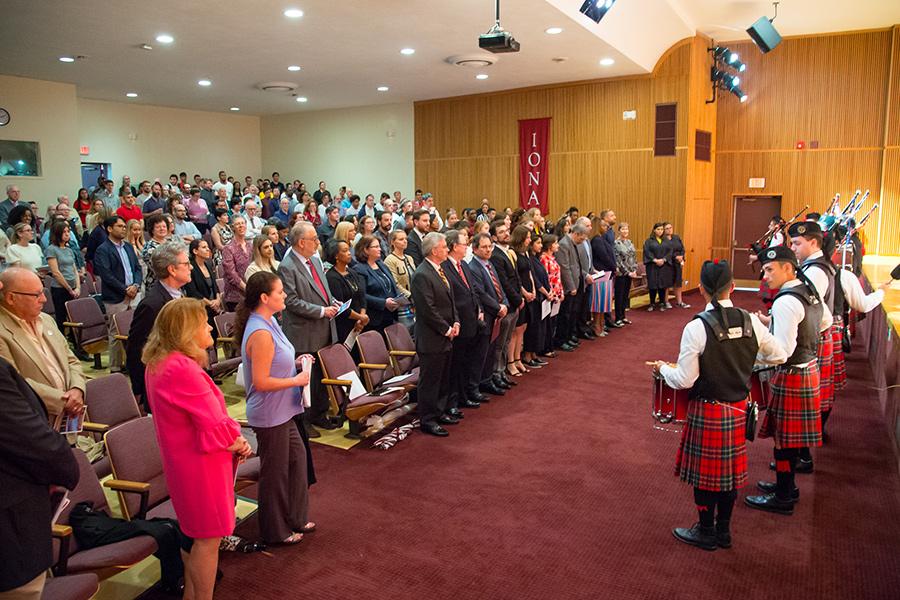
<point x="534" y="152"/>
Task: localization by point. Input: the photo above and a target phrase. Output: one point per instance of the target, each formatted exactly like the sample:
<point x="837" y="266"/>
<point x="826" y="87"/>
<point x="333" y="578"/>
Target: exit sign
<point x="85" y="150"/>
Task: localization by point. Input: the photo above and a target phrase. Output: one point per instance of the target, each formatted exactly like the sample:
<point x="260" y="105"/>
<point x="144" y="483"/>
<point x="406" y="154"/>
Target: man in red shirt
<point x="129" y="208"/>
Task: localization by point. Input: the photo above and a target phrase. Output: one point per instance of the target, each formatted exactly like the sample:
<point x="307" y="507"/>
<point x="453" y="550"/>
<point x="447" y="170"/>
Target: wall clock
<point x="4" y="117"/>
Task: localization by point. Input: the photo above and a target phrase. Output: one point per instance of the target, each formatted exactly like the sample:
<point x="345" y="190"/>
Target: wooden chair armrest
<point x="61" y="531"/>
<point x="340" y="382"/>
<point x="373" y="366"/>
<point x="95" y="427"/>
<point x="70" y="324"/>
<point x="132" y="487"/>
<point x="120" y="337"/>
<point x="243" y="422"/>
<point x="225" y="340"/>
<point x="402" y="353"/>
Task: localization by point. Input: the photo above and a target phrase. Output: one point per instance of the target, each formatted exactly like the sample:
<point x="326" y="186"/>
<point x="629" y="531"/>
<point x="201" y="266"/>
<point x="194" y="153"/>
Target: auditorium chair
<point x="109" y="402"/>
<point x="225" y="332"/>
<point x="377" y="364"/>
<point x="88" y="325"/>
<point x="121" y="324"/>
<point x="71" y="587"/>
<point x="220" y="283"/>
<point x="220" y="270"/>
<point x="49" y="306"/>
<point x="218" y="368"/>
<point x="336" y="362"/>
<point x="103" y="561"/>
<point x="639" y="285"/>
<point x="402" y="349"/>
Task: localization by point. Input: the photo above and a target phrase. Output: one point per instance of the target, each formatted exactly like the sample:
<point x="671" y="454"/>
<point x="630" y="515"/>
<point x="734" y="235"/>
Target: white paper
<point x="351" y="339"/>
<point x="357" y="388"/>
<point x="554" y="310"/>
<point x="239" y="379"/>
<point x="396" y="380"/>
<point x="597" y="275"/>
<point x="545" y="308"/>
<point x="306" y="366"/>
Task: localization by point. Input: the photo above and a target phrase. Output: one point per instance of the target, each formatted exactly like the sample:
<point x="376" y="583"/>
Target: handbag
<point x="752" y="417"/>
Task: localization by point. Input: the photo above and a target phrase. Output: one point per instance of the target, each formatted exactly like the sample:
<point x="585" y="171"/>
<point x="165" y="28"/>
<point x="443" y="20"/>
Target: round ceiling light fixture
<point x="383" y="88"/>
<point x="481" y="76"/>
<point x="294" y="68"/>
<point x="131" y="95"/>
<point x="553" y="30"/>
<point x="293" y="13"/>
<point x="607" y="62"/>
<point x="165" y="38"/>
<point x="234" y="108"/>
<point x="302" y="99"/>
<point x="204" y="83"/>
<point x="67" y="59"/>
<point x="408" y="51"/>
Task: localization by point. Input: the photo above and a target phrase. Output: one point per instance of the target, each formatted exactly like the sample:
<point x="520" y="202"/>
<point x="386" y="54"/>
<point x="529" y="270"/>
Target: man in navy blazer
<point x="465" y="368"/>
<point x="496" y="306"/>
<point x="116" y="264"/>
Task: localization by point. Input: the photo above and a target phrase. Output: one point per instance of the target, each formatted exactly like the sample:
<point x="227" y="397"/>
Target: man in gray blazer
<point x="309" y="312"/>
<point x="571" y="273"/>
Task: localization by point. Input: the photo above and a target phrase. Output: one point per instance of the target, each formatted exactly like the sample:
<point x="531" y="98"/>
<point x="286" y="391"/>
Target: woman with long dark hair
<point x="536" y="332"/>
<point x="658" y="259"/>
<point x="519" y="242"/>
<point x="550" y="245"/>
<point x="274" y="399"/>
<point x="203" y="285"/>
<point x="81" y="206"/>
<point x="65" y="278"/>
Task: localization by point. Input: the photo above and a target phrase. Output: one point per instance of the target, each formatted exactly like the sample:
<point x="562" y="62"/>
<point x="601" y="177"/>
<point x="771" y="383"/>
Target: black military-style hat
<point x="715" y="276"/>
<point x="779" y="253"/>
<point x="804" y="228"/>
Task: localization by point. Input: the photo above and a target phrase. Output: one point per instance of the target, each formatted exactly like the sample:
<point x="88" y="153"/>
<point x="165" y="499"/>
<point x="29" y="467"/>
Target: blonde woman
<point x="195" y="435"/>
<point x="136" y="235"/>
<point x="263" y="257"/>
<point x="401" y="267"/>
<point x="345" y="231"/>
<point x="96" y="215"/>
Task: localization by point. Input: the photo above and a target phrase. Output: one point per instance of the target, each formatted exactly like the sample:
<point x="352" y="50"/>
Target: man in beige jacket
<point x="30" y="340"/>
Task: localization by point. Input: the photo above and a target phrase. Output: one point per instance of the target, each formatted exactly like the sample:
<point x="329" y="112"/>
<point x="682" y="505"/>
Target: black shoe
<point x="434" y="429"/>
<point x="325" y="423"/>
<point x="455" y="413"/>
<point x="492" y="389"/>
<point x="539" y="361"/>
<point x="469" y="403"/>
<point x="768" y="487"/>
<point x="82" y="355"/>
<point x="566" y="347"/>
<point x="311" y="431"/>
<point x="769" y="503"/>
<point x="476" y="397"/>
<point x="498" y="382"/>
<point x="508" y="381"/>
<point x="573" y="341"/>
<point x="533" y="364"/>
<point x="702" y="537"/>
<point x="448" y="420"/>
<point x="802" y="466"/>
<point x="723" y="534"/>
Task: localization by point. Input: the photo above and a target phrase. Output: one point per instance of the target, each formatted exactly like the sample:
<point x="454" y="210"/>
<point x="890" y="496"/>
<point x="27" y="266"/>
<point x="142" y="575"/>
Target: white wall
<point x="43" y="112"/>
<point x="147" y="142"/>
<point x="369" y="149"/>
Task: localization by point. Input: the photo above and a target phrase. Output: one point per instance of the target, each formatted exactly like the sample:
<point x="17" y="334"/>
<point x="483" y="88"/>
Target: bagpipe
<point x="842" y="225"/>
<point x="763" y="241"/>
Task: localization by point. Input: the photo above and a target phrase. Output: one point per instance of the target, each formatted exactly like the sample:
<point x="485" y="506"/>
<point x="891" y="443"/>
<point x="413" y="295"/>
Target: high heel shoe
<point x="521" y="367"/>
<point x="511" y="369"/>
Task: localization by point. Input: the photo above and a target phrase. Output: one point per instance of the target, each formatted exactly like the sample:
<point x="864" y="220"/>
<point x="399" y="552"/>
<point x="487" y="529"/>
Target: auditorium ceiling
<point x="347" y="50"/>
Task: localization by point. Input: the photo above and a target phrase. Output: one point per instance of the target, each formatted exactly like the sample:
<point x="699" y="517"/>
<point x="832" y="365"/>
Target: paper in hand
<point x="305" y="367"/>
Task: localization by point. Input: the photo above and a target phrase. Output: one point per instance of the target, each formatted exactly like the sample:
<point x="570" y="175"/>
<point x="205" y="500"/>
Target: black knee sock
<point x="825" y="415"/>
<point x="785" y="459"/>
<point x="706" y="506"/>
<point x="652" y="297"/>
<point x="725" y="506"/>
<point x="803" y="454"/>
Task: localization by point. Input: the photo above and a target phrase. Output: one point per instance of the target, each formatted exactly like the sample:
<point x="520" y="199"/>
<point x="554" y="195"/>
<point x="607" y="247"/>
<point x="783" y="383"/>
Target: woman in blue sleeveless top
<point x="274" y="398"/>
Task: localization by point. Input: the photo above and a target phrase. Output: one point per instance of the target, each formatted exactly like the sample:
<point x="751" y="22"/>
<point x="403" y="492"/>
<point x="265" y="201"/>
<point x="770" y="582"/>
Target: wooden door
<point x="751" y="220"/>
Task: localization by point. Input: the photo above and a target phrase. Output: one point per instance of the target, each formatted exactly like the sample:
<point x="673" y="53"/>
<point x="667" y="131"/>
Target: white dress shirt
<point x="693" y="343"/>
<point x="787" y="314"/>
<point x="819" y="279"/>
<point x="856" y="298"/>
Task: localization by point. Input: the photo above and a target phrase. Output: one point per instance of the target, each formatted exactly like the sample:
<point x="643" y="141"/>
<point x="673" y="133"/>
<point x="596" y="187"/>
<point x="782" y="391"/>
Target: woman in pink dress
<point x="197" y="439"/>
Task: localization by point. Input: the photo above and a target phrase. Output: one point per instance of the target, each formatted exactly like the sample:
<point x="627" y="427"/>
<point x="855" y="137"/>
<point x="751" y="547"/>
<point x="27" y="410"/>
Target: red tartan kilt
<point x="825" y="360"/>
<point x="713" y="450"/>
<point x="793" y="418"/>
<point x="837" y="351"/>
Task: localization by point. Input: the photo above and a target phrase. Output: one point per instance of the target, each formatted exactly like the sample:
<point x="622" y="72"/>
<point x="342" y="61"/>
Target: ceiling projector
<point x="498" y="41"/>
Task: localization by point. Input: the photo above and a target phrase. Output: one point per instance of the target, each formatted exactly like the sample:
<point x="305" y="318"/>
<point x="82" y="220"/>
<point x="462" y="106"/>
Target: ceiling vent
<point x="472" y="61"/>
<point x="277" y="86"/>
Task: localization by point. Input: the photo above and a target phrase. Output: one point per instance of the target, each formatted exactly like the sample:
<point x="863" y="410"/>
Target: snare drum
<point x="760" y="390"/>
<point x="668" y="405"/>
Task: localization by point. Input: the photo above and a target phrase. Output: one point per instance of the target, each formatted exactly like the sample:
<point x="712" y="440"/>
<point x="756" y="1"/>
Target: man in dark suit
<point x="496" y="306"/>
<point x="172" y="268"/>
<point x="421" y="227"/>
<point x="502" y="261"/>
<point x="34" y="457"/>
<point x="308" y="314"/>
<point x="437" y="324"/>
<point x="116" y="264"/>
<point x="465" y="368"/>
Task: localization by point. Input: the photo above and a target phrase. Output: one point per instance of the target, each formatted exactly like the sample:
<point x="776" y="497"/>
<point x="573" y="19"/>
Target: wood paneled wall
<point x="887" y="234"/>
<point x="831" y="89"/>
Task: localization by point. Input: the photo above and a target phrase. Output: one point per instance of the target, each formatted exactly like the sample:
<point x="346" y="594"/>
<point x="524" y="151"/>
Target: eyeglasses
<point x="32" y="294"/>
<point x="187" y="262"/>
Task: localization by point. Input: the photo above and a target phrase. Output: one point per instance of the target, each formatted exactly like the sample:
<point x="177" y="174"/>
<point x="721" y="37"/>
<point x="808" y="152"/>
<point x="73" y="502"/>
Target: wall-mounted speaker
<point x="764" y="35"/>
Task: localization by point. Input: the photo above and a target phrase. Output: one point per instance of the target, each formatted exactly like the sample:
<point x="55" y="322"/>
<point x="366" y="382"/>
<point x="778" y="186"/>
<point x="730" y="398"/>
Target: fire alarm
<point x="800" y="145"/>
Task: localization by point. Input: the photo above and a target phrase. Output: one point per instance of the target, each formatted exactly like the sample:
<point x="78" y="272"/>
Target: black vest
<point x="808" y="329"/>
<point x="823" y="263"/>
<point x="840" y="303"/>
<point x="726" y="362"/>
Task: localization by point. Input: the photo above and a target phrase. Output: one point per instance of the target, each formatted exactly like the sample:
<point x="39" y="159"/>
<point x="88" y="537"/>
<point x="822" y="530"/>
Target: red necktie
<point x="318" y="281"/>
<point x="496" y="283"/>
<point x="461" y="274"/>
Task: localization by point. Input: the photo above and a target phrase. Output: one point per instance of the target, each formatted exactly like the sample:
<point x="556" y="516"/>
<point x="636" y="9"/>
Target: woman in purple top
<point x="236" y="257"/>
<point x="274" y="398"/>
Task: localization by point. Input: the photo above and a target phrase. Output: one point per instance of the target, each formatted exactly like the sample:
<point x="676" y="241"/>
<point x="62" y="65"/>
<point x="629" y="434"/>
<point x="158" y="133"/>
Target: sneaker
<point x="662" y="307"/>
<point x="650" y="308"/>
<point x="667" y="305"/>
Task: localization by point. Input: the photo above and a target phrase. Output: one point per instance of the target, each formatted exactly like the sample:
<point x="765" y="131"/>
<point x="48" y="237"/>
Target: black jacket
<point x="435" y="310"/>
<point x="465" y="298"/>
<point x="603" y="254"/>
<point x="414" y="247"/>
<point x="141" y="323"/>
<point x="32" y="458"/>
<point x="197" y="286"/>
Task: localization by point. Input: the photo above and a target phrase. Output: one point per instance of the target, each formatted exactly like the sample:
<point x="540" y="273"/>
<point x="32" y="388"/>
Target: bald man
<point x="30" y="341"/>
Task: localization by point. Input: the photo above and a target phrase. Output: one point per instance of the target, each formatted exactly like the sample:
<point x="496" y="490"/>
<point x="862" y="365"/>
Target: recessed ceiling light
<point x="66" y="59"/>
<point x="294" y="68"/>
<point x="383" y="88"/>
<point x="408" y="51"/>
<point x="147" y="47"/>
<point x="234" y="108"/>
<point x="553" y="30"/>
<point x="165" y="38"/>
<point x="293" y="13"/>
<point x="302" y="99"/>
<point x="607" y="62"/>
<point x="131" y="95"/>
<point x="204" y="82"/>
<point x="481" y="76"/>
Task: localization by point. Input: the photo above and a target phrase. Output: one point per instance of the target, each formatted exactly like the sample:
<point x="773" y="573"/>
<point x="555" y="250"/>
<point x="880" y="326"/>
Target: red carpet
<point x="563" y="489"/>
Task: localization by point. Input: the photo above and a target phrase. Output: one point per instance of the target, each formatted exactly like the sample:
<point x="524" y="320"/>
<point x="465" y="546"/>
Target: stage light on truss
<point x="595" y="10"/>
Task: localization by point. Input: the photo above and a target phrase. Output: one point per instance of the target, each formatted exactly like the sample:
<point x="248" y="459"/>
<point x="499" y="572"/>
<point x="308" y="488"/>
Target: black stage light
<point x="596" y="9"/>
